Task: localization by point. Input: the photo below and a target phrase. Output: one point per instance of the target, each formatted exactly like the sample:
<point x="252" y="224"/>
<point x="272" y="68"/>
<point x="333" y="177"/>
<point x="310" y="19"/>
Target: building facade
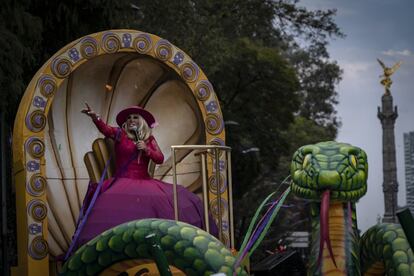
<point x="409" y="168"/>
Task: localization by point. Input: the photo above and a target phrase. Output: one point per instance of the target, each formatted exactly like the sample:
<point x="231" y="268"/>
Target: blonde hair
<point x="144" y="131"/>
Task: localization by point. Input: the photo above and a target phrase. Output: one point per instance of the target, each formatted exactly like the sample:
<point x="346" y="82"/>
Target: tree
<point x="306" y="35"/>
<point x="19" y="37"/>
<point x="19" y="41"/>
<point x="257" y="89"/>
<point x="231" y="41"/>
<point x="67" y="20"/>
<point x="225" y="38"/>
<point x="267" y="60"/>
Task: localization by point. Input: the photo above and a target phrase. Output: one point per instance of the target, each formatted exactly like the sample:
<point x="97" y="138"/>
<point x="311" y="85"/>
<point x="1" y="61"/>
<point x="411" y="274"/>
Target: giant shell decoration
<point x="109" y="70"/>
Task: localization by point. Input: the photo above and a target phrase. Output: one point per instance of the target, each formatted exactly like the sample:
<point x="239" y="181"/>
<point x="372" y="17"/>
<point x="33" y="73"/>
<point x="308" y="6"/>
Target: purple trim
<point x="84" y="217"/>
<point x="258" y="230"/>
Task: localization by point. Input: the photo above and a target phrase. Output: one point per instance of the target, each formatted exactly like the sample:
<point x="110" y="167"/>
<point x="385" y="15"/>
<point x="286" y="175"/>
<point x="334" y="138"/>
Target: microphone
<point x="135" y="129"/>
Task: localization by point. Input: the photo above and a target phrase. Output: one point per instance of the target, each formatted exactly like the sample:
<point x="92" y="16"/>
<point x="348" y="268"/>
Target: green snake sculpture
<point x="334" y="176"/>
<point x="190" y="249"/>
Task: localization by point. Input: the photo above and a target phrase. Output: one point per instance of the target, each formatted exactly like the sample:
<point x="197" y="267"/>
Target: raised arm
<point x="105" y="129"/>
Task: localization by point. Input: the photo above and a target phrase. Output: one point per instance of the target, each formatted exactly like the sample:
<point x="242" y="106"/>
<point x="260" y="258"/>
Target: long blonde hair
<point x="144" y="131"/>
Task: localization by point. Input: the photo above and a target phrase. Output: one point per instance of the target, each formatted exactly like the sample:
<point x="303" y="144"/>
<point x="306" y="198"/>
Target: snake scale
<point x="333" y="176"/>
<point x="192" y="250"/>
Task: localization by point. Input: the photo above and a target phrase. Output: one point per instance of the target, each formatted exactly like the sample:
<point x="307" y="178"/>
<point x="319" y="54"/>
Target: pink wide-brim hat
<point x="148" y="117"/>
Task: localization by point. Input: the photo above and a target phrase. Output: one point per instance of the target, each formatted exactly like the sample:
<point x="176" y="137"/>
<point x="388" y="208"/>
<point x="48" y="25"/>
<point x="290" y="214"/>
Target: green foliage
<point x="67" y="20"/>
<point x="250" y="52"/>
<point x="318" y="78"/>
<point x="19" y="40"/>
<point x="257" y="90"/>
<point x="248" y="49"/>
<point x="266" y="59"/>
<point x="305" y="35"/>
<point x="303" y="132"/>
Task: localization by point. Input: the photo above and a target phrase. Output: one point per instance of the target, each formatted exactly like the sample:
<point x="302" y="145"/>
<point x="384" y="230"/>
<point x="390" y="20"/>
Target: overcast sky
<point x="374" y="29"/>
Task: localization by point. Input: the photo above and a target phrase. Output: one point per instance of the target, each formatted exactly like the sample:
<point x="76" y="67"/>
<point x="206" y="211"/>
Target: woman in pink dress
<point x="132" y="194"/>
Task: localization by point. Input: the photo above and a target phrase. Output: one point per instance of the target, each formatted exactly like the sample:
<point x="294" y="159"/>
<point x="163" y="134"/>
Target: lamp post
<point x="253" y="149"/>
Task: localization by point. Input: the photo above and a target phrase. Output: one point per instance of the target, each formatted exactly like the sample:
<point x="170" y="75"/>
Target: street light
<point x="254" y="149"/>
<point x="231" y="123"/>
<point x="133" y="6"/>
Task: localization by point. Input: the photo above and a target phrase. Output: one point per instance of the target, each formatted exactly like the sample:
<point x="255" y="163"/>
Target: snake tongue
<point x="324" y="230"/>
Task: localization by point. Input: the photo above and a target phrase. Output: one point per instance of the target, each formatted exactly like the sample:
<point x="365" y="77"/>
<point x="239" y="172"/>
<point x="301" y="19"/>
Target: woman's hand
<point x="141" y="145"/>
<point x="88" y="111"/>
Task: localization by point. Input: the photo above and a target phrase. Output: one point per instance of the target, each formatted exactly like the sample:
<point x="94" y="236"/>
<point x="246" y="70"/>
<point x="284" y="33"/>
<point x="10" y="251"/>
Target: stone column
<point x="387" y="116"/>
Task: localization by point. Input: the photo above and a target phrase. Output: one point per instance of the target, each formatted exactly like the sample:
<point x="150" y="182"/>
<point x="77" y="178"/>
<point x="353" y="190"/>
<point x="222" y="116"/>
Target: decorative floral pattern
<point x="189" y="71"/>
<point x="61" y="67"/>
<point x="36" y="186"/>
<point x="217" y="141"/>
<point x="222" y="165"/>
<point x="35" y="147"/>
<point x="38" y="248"/>
<point x="214" y="124"/>
<point x="212" y="107"/>
<point x="178" y="58"/>
<point x="203" y="90"/>
<point x="163" y="50"/>
<point x="47" y="86"/>
<point x="39" y="102"/>
<point x="214" y="207"/>
<point x="126" y="40"/>
<point x="212" y="183"/>
<point x="74" y="54"/>
<point x="33" y="166"/>
<point x="110" y="43"/>
<point x="35" y="228"/>
<point x="142" y="43"/>
<point x="88" y="48"/>
<point x="37" y="209"/>
<point x="36" y="121"/>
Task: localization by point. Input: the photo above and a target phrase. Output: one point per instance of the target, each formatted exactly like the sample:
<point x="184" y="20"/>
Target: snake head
<point x="338" y="167"/>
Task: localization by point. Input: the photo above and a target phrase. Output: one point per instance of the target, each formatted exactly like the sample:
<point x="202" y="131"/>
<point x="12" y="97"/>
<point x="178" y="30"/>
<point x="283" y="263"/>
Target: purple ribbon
<point x="85" y="217"/>
<point x="258" y="230"/>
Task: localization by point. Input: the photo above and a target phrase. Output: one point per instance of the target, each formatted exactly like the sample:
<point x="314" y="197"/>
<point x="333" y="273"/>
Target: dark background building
<point x="409" y="168"/>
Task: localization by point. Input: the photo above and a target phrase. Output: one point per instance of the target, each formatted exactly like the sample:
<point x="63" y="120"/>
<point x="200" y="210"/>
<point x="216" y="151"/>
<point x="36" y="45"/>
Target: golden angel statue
<point x="388" y="71"/>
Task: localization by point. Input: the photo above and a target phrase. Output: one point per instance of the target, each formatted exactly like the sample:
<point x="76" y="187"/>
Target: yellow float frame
<point x="28" y="135"/>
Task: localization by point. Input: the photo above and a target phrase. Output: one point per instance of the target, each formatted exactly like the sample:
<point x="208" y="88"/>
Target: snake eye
<point x="306" y="160"/>
<point x="353" y="161"/>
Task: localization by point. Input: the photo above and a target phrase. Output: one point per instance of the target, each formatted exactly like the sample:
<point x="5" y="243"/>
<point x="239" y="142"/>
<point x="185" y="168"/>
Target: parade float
<point x="56" y="153"/>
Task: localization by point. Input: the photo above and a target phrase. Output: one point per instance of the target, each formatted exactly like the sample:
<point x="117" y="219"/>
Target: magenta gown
<point x="133" y="194"/>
